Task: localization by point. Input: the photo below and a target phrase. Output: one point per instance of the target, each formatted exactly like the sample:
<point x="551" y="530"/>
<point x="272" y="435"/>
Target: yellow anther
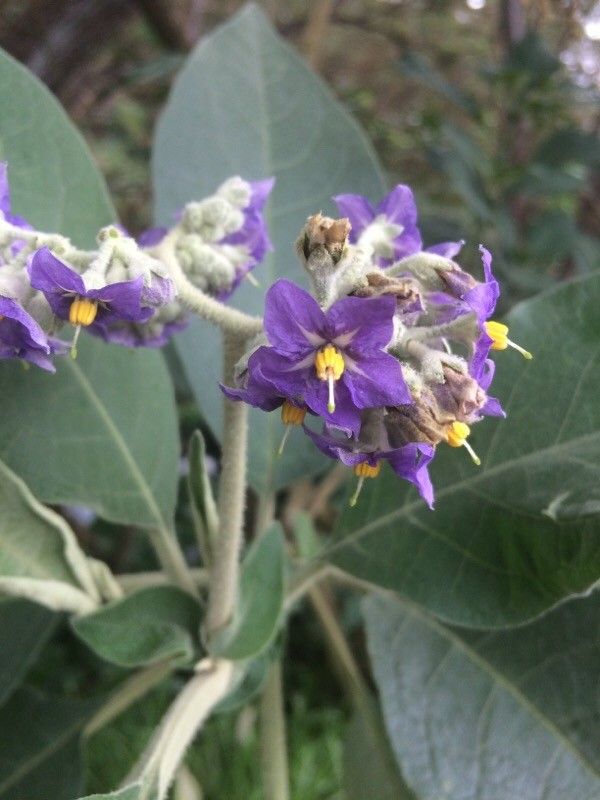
<point x="329" y="366"/>
<point x="366" y="470"/>
<point x="291" y="414"/>
<point x="456" y="436"/>
<point x="362" y="471"/>
<point x="498" y="333"/>
<point x="83" y="311"/>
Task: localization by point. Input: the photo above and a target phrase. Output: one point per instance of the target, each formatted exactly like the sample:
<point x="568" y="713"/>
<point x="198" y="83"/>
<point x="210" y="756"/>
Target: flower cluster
<point x="391" y="349"/>
<point x="122" y="291"/>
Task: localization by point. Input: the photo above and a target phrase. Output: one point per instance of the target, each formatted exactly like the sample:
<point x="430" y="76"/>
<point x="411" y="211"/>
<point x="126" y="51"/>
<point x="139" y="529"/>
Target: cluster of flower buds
<point x="122" y="291"/>
<point x="390" y="349"/>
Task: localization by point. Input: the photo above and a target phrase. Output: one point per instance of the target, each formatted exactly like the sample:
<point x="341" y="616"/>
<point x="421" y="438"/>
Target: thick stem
<point x="127" y="694"/>
<point x="225" y="568"/>
<point x="191" y="707"/>
<point x="273" y="751"/>
<point x="132" y="581"/>
<point x="228" y="319"/>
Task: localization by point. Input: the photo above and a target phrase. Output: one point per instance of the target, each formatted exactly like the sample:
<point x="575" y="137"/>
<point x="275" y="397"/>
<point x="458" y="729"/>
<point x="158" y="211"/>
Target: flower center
<point x="329" y="366"/>
<point x="83" y="311"/>
<point x="362" y="471"/>
<point x="456" y="436"/>
<point x="498" y="333"/>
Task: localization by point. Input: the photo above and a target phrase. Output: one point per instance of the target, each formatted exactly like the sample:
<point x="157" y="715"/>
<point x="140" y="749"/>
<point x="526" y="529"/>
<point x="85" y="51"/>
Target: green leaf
<point x="368" y="775"/>
<point x="102" y="432"/>
<point x="53" y="179"/>
<point x="36" y="543"/>
<point x="151" y="625"/>
<point x="41" y="757"/>
<point x="512" y="538"/>
<point x="280" y="120"/>
<point x="570" y="145"/>
<point x="260" y="604"/>
<point x="24" y="630"/>
<point x="491" y="716"/>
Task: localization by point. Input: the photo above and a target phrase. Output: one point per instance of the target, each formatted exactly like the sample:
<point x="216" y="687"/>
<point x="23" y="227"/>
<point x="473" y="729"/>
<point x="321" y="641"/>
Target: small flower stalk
<point x="390" y="350"/>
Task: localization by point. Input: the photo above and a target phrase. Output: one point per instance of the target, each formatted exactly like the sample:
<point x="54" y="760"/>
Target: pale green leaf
<point x="53" y="179"/>
<point x="245" y="103"/>
<point x="151" y="625"/>
<point x="491" y="716"/>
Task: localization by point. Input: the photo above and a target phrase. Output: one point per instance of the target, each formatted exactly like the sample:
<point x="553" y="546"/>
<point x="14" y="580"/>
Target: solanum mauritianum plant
<point x="362" y="344"/>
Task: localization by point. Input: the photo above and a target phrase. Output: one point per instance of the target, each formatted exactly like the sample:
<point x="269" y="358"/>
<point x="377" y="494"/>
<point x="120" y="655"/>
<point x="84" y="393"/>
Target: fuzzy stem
<point x="224" y="572"/>
<point x="132" y="581"/>
<point x="127" y="694"/>
<point x="159" y="763"/>
<point x="228" y="319"/>
<point x="273" y="751"/>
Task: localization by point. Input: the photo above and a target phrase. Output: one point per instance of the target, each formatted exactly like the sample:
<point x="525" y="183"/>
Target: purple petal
<point x="376" y="381"/>
<point x="346" y="416"/>
<point x="259" y="192"/>
<point x="340" y="449"/>
<point x="281" y="371"/>
<point x="370" y="320"/>
<point x="121" y="301"/>
<point x="151" y="237"/>
<point x="446" y="249"/>
<point x="400" y="208"/>
<point x="358" y="210"/>
<point x="293" y="318"/>
<point x="410" y="462"/>
<point x="4" y="189"/>
<point x="52" y="276"/>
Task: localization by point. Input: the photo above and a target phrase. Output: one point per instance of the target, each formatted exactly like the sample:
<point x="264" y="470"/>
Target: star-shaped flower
<point x="332" y="361"/>
<point x="21" y="336"/>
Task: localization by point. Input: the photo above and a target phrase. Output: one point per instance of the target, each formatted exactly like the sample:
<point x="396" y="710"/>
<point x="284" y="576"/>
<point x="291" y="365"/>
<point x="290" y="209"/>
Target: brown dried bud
<point x="332" y="234"/>
<point x="421" y="421"/>
<point x="460" y="395"/>
<point x="404" y="289"/>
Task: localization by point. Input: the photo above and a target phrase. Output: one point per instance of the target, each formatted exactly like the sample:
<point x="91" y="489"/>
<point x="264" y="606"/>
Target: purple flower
<point x="333" y="362"/>
<point x="5" y="205"/>
<point x="484" y="374"/>
<point x="252" y="236"/>
<point x="71" y="300"/>
<point x="21" y="336"/>
<point x="397" y="208"/>
<point x="446" y="249"/>
<point x="409" y="461"/>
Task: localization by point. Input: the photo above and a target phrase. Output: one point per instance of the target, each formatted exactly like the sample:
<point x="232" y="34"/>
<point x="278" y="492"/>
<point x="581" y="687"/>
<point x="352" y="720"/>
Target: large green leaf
<point x="246" y="104"/>
<point x="53" y="179"/>
<point x="24" y="630"/>
<point x="491" y="716"/>
<point x="152" y="625"/>
<point x="514" y="537"/>
<point x="39" y="747"/>
<point x="260" y="604"/>
<point x="101" y="432"/>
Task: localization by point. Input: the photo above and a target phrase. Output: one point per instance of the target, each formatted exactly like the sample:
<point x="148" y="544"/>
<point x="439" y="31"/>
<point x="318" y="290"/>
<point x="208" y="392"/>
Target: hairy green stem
<point x="273" y="750"/>
<point x="132" y="581"/>
<point x="127" y="694"/>
<point x="226" y="318"/>
<point x="225" y="569"/>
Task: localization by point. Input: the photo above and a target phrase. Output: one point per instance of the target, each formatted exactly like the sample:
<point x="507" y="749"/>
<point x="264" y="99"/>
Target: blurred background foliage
<point x="488" y="109"/>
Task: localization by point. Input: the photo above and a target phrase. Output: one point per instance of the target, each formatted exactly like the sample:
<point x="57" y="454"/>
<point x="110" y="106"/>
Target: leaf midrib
<point x="408" y="508"/>
<point x="121" y="446"/>
<point x="500" y="680"/>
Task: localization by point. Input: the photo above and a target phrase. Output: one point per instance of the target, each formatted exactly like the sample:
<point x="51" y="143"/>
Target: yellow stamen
<point x="362" y="471"/>
<point x="498" y="333"/>
<point x="329" y="365"/>
<point x="290" y="415"/>
<point x="83" y="311"/>
<point x="456" y="436"/>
